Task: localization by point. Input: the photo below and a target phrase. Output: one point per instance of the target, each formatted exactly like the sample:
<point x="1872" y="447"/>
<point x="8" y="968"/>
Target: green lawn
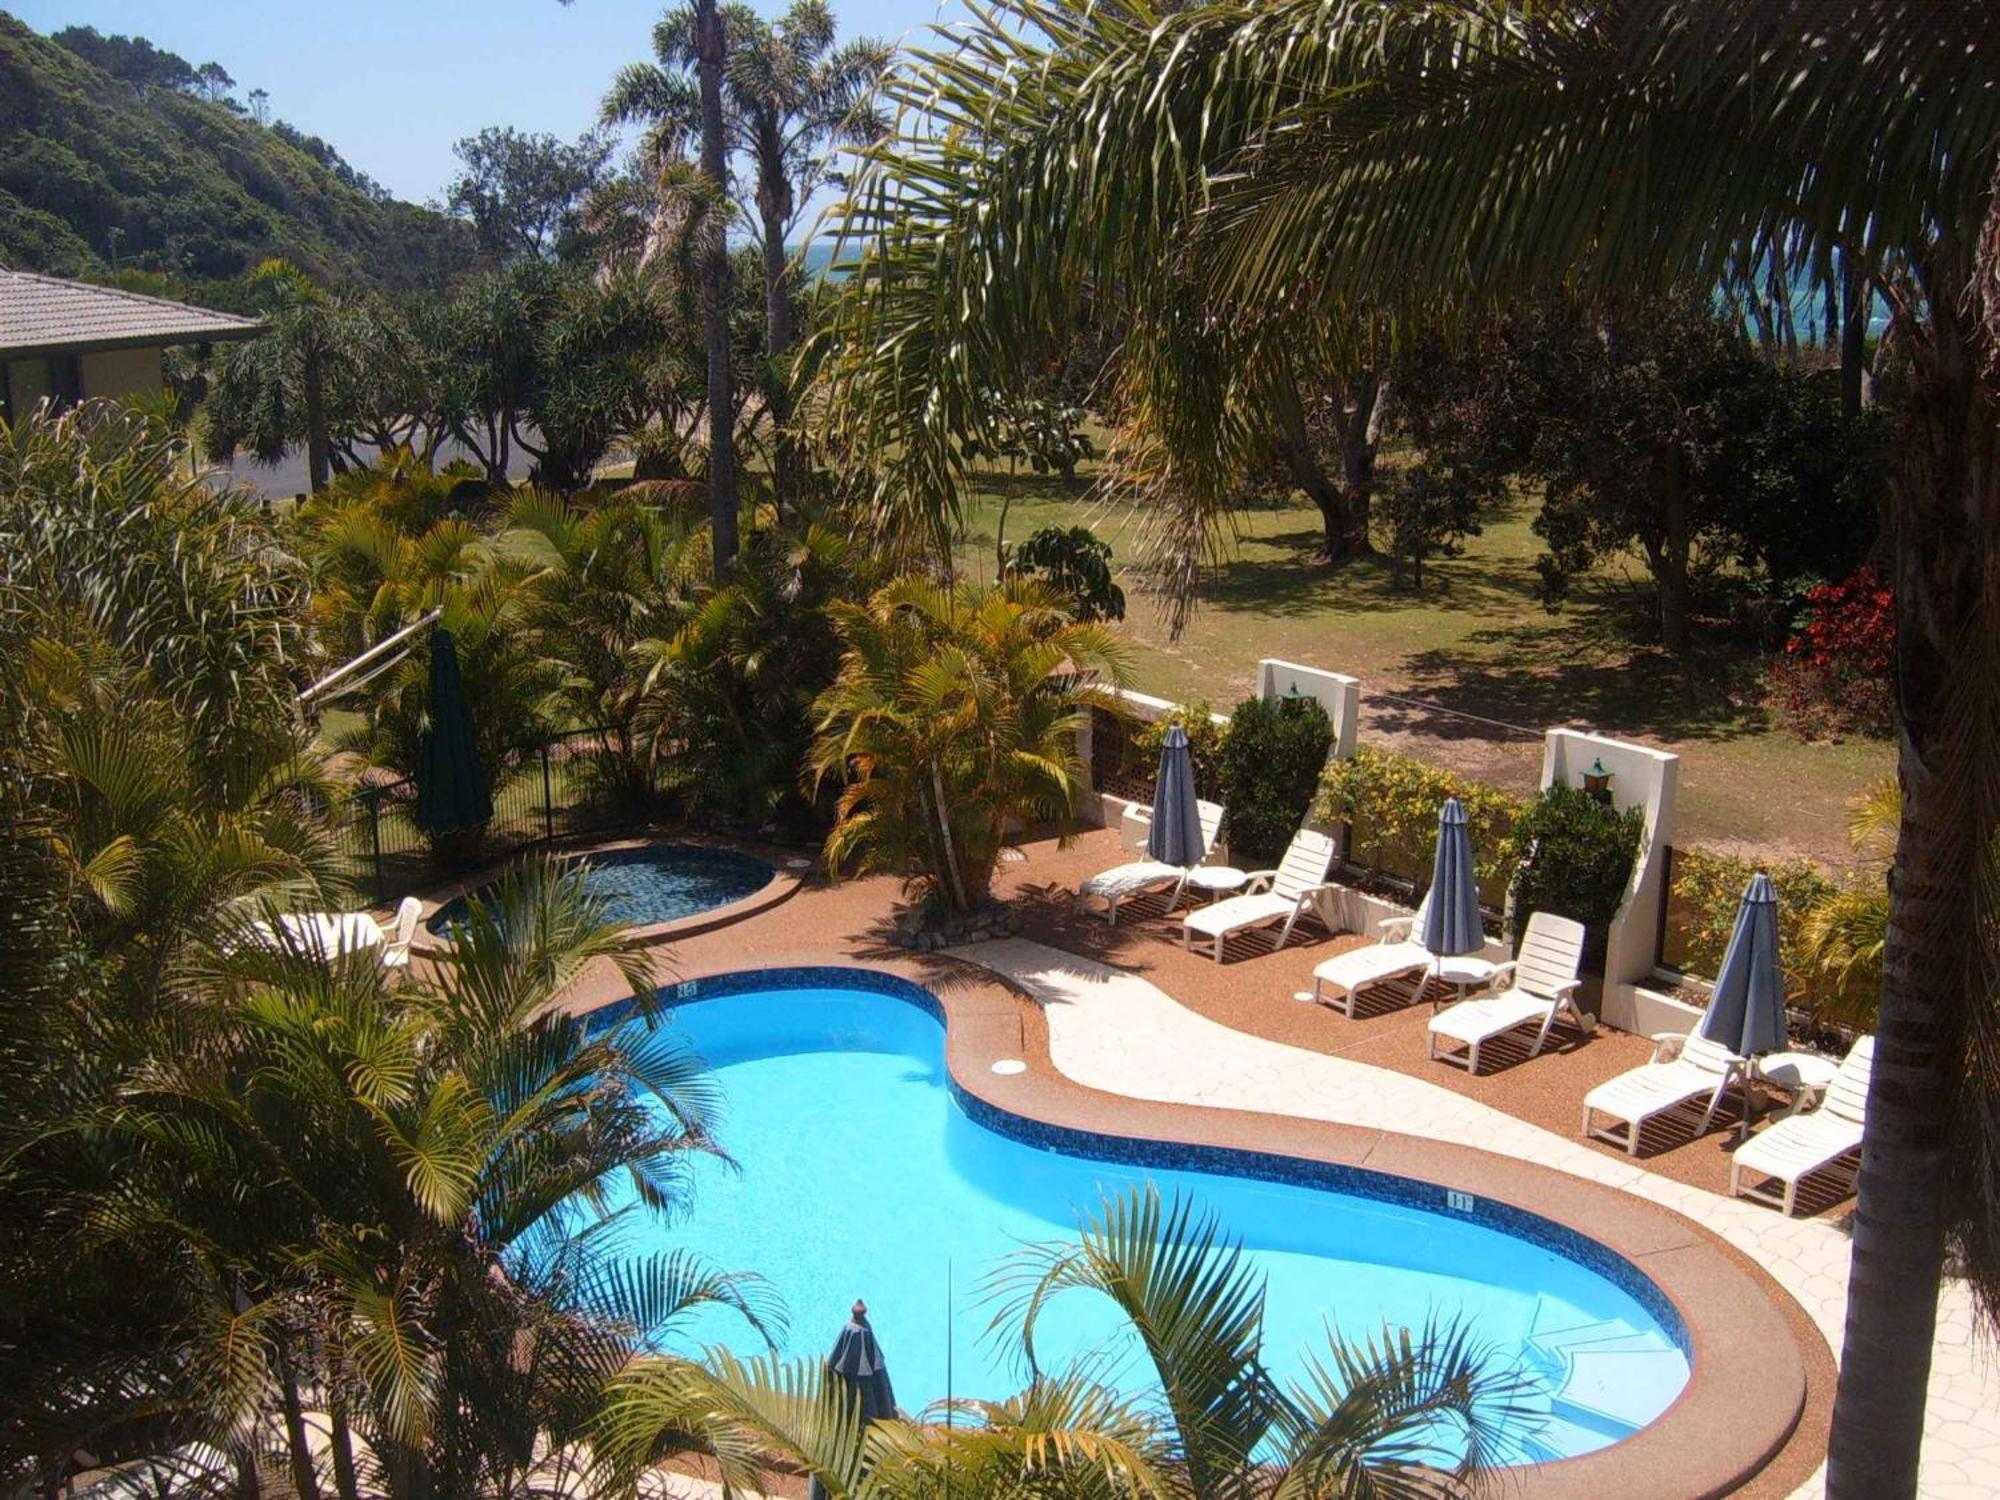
<point x="1476" y="640"/>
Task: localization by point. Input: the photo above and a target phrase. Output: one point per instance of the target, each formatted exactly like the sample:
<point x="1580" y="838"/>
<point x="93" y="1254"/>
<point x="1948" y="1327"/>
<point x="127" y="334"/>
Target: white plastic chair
<point x="1543" y="986"/>
<point x="402" y="934"/>
<point x="1271" y="896"/>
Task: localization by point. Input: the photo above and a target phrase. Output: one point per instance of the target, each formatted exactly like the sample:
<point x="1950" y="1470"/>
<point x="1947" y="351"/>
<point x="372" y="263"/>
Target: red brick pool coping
<point x="1749" y="1361"/>
<point x="788" y="871"/>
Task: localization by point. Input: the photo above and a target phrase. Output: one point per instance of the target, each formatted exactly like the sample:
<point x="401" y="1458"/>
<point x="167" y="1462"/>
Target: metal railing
<point x="555" y="791"/>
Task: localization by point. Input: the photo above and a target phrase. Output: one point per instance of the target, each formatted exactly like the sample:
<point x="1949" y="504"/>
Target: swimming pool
<point x="655" y="883"/>
<point x="861" y="1172"/>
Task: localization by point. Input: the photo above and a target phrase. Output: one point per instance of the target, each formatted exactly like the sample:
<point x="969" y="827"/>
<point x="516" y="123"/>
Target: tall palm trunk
<point x="940" y="806"/>
<point x="1937" y="967"/>
<point x="712" y="58"/>
<point x="774" y="205"/>
<point x="341" y="1439"/>
<point x="319" y="449"/>
<point x="297" y="1446"/>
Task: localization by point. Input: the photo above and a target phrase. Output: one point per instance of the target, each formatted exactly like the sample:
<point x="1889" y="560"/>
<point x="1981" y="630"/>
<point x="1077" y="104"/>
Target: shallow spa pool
<point x="652" y="884"/>
<point x="862" y="1173"/>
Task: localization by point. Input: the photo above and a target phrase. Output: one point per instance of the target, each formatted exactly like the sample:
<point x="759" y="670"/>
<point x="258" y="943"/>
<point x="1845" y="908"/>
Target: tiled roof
<point x="43" y="312"/>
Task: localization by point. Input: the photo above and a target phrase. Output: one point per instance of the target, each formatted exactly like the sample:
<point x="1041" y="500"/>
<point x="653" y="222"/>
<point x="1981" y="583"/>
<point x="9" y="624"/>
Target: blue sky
<point x="392" y="83"/>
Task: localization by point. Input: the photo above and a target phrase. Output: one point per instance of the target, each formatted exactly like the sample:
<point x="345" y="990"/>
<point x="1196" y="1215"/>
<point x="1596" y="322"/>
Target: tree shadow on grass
<point x="1556" y="673"/>
<point x="1299" y="583"/>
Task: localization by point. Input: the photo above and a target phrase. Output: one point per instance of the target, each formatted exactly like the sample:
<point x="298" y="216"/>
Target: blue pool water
<point x="657" y="883"/>
<point x="859" y="1173"/>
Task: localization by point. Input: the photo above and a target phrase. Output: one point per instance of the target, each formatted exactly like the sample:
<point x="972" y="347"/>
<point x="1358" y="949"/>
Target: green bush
<point x="1272" y="758"/>
<point x="1701" y="913"/>
<point x="1701" y="910"/>
<point x="1204" y="746"/>
<point x="1577" y="857"/>
<point x="1390" y="806"/>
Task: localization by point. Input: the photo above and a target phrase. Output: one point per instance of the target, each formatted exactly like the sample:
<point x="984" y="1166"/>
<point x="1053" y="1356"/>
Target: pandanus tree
<point x="952" y="725"/>
<point x="1409" y="1413"/>
<point x="1287" y="162"/>
<point x="791" y="97"/>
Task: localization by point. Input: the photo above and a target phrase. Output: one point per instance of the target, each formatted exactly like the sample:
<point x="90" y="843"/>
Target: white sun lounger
<point x="1280" y="895"/>
<point x="1796" y="1147"/>
<point x="1544" y="986"/>
<point x="1141" y="877"/>
<point x="1395" y="954"/>
<point x="1684" y="1070"/>
<point x="396" y="952"/>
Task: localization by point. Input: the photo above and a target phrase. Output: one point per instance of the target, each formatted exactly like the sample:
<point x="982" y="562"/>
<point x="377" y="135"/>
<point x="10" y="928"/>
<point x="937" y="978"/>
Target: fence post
<point x="548" y="801"/>
<point x="373" y="797"/>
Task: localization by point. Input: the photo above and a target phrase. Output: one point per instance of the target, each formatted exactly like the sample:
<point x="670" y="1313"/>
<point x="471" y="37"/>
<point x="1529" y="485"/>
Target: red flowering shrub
<point x="1833" y="678"/>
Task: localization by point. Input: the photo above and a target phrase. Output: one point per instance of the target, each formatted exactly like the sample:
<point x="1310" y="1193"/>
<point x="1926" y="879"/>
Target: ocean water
<point x="855" y="1173"/>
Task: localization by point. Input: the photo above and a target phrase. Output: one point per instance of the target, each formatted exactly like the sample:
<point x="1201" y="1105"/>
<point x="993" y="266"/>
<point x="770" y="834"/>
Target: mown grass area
<point x="1476" y="640"/>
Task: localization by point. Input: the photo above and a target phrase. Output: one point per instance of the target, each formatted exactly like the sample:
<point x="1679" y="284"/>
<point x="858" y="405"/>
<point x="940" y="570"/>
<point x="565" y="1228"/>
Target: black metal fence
<point x="564" y="788"/>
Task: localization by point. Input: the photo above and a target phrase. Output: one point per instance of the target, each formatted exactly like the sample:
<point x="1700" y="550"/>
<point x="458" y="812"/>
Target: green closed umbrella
<point x="452" y="794"/>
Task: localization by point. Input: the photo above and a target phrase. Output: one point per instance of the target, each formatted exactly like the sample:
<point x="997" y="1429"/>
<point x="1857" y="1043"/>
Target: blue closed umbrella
<point x="1175" y="837"/>
<point x="857" y="1363"/>
<point x="1746" y="1013"/>
<point x="1452" y="926"/>
<point x="452" y="794"/>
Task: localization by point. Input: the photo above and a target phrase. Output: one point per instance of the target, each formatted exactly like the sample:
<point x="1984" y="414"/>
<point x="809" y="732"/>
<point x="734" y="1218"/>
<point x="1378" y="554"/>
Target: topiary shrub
<point x="1272" y="757"/>
<point x="1577" y="857"/>
<point x="1390" y="806"/>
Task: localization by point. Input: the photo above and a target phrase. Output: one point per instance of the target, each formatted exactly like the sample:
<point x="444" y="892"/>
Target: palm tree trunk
<point x="1922" y="1142"/>
<point x="319" y="461"/>
<point x="712" y="57"/>
<point x="296" y="1442"/>
<point x="774" y="202"/>
<point x="938" y="806"/>
<point x="345" y="1480"/>
<point x="1853" y="339"/>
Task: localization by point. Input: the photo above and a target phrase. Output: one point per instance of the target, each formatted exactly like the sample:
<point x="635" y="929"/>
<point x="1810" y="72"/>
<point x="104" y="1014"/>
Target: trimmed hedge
<point x="1204" y="746"/>
<point x="1577" y="857"/>
<point x="1272" y="758"/>
<point x="1390" y="805"/>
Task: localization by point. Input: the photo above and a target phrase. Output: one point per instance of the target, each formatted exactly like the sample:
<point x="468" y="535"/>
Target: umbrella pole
<point x="947" y="1375"/>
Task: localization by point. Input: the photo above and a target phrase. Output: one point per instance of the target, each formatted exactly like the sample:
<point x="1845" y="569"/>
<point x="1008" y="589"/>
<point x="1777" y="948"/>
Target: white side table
<point x="1806" y="1076"/>
<point x="1464" y="974"/>
<point x="1217" y="880"/>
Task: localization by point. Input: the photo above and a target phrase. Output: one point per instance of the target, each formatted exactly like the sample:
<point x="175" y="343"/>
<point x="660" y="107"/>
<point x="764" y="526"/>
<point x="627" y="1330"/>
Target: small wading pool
<point x="646" y="886"/>
<point x="861" y="1172"/>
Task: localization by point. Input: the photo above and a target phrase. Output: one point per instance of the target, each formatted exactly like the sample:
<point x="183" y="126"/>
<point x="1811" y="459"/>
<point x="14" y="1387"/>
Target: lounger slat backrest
<point x="1710" y="1057"/>
<point x="1551" y="954"/>
<point x="1847" y="1095"/>
<point x="1305" y="864"/>
<point x="407" y="916"/>
<point x="1210" y="814"/>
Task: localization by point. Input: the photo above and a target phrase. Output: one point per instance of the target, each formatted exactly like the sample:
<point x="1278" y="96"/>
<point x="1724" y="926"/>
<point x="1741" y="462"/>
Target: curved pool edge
<point x="1747" y="1386"/>
<point x="789" y="869"/>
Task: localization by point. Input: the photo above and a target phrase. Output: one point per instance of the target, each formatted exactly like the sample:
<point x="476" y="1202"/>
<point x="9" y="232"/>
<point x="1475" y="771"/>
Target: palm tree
<point x="383" y="558"/>
<point x="791" y="96"/>
<point x="612" y="578"/>
<point x="444" y="1175"/>
<point x="952" y="725"/>
<point x="1260" y="171"/>
<point x="1423" y="1414"/>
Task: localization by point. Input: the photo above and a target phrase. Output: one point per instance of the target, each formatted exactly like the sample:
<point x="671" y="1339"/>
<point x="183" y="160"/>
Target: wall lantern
<point x="1597" y="782"/>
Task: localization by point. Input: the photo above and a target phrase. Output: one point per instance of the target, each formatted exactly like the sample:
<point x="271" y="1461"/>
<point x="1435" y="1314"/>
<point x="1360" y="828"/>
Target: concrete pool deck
<point x="1124" y="1014"/>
